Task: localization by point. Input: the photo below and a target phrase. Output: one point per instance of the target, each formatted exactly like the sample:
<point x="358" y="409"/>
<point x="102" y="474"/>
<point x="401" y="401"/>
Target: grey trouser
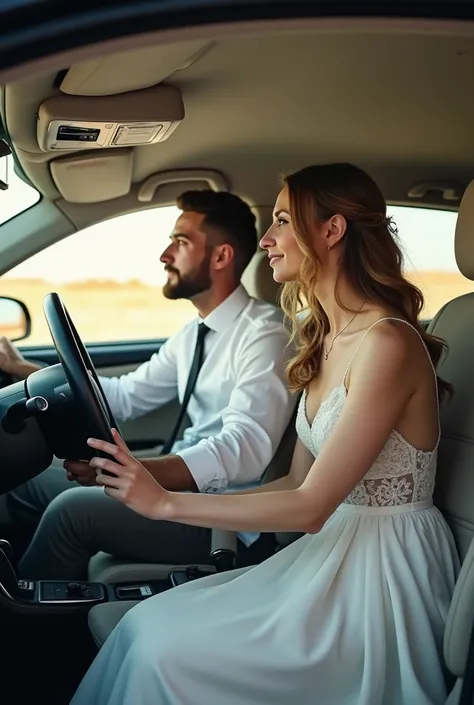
<point x="71" y="523"/>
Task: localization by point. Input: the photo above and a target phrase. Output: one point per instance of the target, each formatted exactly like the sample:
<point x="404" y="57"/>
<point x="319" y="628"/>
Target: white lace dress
<point x="353" y="615"/>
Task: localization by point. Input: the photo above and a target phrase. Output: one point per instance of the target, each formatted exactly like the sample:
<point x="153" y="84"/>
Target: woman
<point x="352" y="613"/>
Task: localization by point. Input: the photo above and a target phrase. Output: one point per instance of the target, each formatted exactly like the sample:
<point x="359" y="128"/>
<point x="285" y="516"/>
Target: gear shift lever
<point x="223" y="559"/>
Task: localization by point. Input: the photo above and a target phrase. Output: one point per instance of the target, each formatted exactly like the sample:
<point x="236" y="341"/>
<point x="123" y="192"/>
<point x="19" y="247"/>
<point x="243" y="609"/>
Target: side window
<point x="427" y="239"/>
<point x="110" y="278"/>
<point x="18" y="197"/>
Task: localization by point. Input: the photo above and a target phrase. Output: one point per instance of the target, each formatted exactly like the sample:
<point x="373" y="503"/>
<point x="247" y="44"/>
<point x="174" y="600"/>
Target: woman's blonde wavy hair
<point x="371" y="259"/>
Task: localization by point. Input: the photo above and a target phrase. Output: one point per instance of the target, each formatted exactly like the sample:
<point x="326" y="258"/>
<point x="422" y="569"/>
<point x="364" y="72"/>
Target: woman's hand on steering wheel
<point x="131" y="482"/>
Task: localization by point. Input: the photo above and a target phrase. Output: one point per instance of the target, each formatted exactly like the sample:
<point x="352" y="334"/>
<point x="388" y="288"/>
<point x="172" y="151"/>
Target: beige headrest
<point x="464" y="238"/>
<point x="258" y="279"/>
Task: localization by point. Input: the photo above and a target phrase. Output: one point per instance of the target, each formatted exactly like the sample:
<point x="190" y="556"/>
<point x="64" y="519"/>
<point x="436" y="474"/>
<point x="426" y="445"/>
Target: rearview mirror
<point x="15" y="319"/>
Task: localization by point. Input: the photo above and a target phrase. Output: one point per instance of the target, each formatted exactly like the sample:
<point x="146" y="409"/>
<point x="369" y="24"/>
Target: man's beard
<point x="189" y="285"/>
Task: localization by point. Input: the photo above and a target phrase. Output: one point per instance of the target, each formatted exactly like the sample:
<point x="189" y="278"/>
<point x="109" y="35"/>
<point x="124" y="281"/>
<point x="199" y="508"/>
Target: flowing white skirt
<point x="353" y="615"/>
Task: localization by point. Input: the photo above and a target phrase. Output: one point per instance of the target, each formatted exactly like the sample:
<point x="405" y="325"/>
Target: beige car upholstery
<point x="455" y="479"/>
<point x="103" y="567"/>
<point x="258" y="279"/>
<point x="454" y="493"/>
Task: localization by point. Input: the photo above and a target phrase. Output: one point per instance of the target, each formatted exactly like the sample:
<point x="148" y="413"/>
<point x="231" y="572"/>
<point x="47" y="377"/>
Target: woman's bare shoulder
<point x="395" y="338"/>
<point x="392" y="347"/>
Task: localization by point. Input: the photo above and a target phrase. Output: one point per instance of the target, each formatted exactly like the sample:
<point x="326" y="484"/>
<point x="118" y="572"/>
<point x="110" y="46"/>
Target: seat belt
<point x="196" y="365"/>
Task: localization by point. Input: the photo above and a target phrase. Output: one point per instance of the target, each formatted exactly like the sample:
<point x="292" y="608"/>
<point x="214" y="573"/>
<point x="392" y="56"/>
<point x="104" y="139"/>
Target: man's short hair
<point x="227" y="216"/>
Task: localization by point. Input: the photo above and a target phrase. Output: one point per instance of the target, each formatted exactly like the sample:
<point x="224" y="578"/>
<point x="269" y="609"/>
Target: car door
<point x="110" y="278"/>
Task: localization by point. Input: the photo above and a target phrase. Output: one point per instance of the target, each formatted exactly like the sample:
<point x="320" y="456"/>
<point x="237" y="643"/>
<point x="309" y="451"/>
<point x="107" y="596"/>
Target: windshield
<point x="19" y="196"/>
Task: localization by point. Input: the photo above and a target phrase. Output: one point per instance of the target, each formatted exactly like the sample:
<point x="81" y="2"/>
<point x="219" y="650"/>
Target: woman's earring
<point x="328" y="248"/>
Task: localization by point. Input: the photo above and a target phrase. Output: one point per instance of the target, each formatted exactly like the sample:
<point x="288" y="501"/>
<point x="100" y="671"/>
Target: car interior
<point x="110" y="129"/>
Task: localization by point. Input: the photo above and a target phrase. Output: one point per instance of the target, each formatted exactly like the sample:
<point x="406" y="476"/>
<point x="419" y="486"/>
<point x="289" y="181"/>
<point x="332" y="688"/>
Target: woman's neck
<point x="350" y="301"/>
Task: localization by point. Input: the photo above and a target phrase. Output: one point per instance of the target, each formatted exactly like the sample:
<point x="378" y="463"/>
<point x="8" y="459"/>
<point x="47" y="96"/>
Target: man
<point x="239" y="408"/>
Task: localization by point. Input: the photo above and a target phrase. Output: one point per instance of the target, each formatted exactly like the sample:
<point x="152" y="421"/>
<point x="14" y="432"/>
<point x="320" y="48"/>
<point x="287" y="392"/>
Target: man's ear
<point x="223" y="256"/>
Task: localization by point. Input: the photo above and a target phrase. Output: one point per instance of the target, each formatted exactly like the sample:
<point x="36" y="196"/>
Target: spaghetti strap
<point x="407" y="323"/>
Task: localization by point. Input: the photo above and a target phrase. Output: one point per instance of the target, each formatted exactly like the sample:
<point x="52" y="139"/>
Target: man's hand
<point x="80" y="471"/>
<point x="170" y="471"/>
<point x="12" y="361"/>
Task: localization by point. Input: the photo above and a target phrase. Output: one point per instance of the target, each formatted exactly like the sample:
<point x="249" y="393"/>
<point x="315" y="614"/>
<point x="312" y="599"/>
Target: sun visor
<point x="131" y="70"/>
<point x="70" y="123"/>
<point x="90" y="178"/>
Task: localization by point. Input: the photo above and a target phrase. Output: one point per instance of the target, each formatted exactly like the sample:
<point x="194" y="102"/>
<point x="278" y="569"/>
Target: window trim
<point x="17" y="166"/>
<point x="28" y="208"/>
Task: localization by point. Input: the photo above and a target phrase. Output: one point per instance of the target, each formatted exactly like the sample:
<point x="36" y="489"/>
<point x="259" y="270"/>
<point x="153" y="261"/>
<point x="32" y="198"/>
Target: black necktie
<point x="196" y="365"/>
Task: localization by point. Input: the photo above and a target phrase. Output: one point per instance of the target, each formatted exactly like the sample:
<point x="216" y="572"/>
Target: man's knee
<point x="73" y="512"/>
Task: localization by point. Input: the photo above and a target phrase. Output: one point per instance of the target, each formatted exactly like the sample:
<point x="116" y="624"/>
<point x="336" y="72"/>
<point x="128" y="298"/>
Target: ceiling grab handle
<point x="214" y="180"/>
<point x="449" y="191"/>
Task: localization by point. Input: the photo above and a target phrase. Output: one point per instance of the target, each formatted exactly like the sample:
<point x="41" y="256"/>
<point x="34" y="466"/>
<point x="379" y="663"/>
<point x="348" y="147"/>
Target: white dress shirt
<point x="240" y="406"/>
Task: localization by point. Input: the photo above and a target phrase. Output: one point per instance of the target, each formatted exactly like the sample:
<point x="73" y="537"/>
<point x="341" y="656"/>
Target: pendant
<point x="326" y="355"/>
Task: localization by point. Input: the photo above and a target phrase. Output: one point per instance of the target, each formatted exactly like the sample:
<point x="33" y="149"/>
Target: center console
<point x="58" y="592"/>
<point x="222" y="559"/>
<point x="73" y="596"/>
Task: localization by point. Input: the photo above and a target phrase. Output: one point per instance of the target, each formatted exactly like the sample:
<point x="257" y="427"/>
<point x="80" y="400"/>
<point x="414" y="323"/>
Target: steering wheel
<point x="55" y="410"/>
<point x="79" y="369"/>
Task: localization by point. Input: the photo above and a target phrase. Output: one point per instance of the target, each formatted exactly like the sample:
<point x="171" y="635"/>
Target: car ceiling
<point x="261" y="103"/>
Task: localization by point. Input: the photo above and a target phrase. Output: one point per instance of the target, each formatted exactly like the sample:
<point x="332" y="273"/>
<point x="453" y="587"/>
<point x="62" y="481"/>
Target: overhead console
<point x="71" y="122"/>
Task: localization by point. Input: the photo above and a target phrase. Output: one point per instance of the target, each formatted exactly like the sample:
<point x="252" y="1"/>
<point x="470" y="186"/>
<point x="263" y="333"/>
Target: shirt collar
<point x="223" y="315"/>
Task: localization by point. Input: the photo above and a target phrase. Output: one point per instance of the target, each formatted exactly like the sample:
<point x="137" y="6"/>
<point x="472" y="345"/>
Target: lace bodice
<point x="401" y="474"/>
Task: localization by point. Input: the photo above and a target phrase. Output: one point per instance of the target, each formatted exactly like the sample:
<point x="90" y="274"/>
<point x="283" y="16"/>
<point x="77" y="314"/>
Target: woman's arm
<point x="379" y="392"/>
<point x="300" y="466"/>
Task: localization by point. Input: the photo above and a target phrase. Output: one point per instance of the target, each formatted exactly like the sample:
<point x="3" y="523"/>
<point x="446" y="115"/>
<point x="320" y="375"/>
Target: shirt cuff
<point x="206" y="469"/>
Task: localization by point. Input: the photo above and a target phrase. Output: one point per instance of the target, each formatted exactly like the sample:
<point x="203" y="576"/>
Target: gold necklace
<point x="326" y="352"/>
